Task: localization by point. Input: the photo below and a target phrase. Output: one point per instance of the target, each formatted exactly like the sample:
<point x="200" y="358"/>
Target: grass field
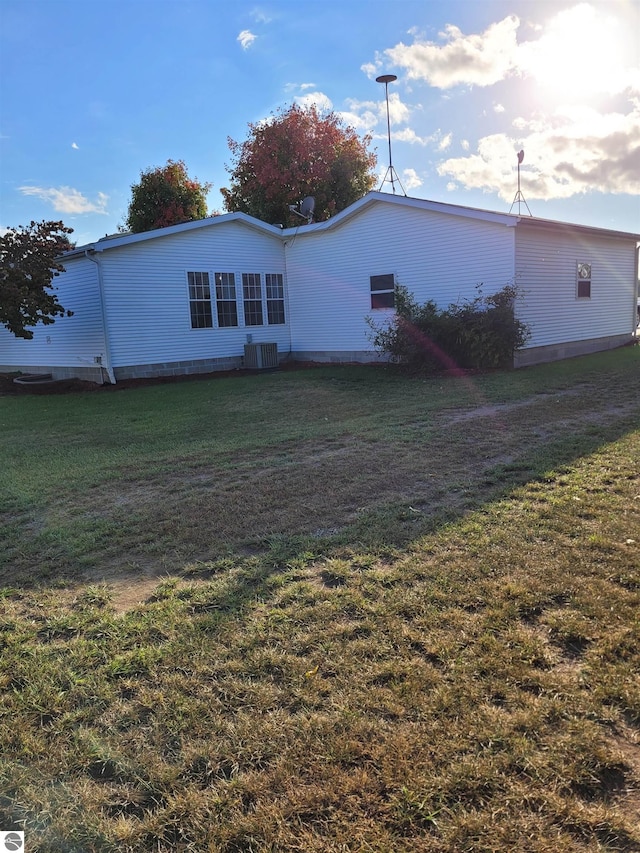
<point x="333" y="609"/>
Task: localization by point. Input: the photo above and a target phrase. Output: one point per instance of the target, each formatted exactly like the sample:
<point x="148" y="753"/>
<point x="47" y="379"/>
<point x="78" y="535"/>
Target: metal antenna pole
<point x="386" y="79"/>
<point x="519" y="198"/>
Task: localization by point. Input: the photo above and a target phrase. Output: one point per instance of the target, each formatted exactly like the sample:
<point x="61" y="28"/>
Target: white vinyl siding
<point x="547" y="261"/>
<point x="76" y="341"/>
<point x="435" y="256"/>
<point x="148" y="302"/>
<point x="309" y="290"/>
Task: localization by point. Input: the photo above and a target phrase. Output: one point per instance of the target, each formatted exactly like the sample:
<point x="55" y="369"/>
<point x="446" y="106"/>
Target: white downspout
<point x="286" y="296"/>
<point x="103" y="312"/>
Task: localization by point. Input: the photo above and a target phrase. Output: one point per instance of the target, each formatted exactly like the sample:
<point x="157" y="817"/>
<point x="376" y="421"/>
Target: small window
<point x="252" y="295"/>
<point x="383" y="291"/>
<point x="200" y="300"/>
<point x="583" y="288"/>
<point x="226" y="299"/>
<point x="275" y="299"/>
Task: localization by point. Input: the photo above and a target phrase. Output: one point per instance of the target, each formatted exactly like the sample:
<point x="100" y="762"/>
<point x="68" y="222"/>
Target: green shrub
<point x="480" y="333"/>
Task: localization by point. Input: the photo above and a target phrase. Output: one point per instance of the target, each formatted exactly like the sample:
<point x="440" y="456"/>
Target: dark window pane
<point x="382" y="282"/>
<point x="275" y="312"/>
<point x="275" y="286"/>
<point x="227" y="313"/>
<point x="382" y="300"/>
<point x="201" y="317"/>
<point x="252" y="312"/>
<point x="251" y="286"/>
<point x="225" y="285"/>
<point x="584" y="289"/>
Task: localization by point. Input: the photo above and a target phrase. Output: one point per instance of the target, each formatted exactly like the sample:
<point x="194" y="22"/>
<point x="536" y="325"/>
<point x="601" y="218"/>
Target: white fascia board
<point x="404" y="201"/>
<point x="564" y="227"/>
<point x="119" y="240"/>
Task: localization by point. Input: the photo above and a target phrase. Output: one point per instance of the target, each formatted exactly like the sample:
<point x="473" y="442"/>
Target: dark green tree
<point x="165" y="195"/>
<point x="299" y="152"/>
<point x="29" y="261"/>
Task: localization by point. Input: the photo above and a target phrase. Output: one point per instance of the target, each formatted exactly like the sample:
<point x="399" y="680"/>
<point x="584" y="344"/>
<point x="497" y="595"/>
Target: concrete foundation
<point x="557" y="352"/>
<point x="95" y="374"/>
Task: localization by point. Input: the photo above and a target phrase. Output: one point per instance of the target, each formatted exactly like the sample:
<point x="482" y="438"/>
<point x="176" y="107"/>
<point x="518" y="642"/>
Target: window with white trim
<point x="226" y="299"/>
<point x="200" y="300"/>
<point x="275" y="298"/>
<point x="383" y="291"/>
<point x="252" y="296"/>
<point x="583" y="280"/>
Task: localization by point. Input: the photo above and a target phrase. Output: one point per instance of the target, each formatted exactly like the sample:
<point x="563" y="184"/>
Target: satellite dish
<point x="306" y="209"/>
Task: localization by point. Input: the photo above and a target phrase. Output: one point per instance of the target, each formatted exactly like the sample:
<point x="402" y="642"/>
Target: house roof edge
<point x="114" y="241"/>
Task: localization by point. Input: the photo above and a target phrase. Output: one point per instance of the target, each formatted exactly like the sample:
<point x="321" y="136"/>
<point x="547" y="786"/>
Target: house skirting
<point x="556" y="352"/>
<point x="178" y="368"/>
<point x="337" y="356"/>
<point x="93" y="373"/>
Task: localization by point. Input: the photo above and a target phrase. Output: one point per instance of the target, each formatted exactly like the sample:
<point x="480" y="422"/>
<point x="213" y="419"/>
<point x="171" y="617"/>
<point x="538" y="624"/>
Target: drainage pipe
<point x="103" y="312"/>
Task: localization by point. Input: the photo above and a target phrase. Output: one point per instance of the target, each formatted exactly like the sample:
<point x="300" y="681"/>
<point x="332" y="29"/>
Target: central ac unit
<point x="260" y="356"/>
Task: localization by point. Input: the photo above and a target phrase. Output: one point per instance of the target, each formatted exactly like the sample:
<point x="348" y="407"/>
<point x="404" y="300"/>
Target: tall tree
<point x="299" y="152"/>
<point x="166" y="195"/>
<point x="29" y="261"/>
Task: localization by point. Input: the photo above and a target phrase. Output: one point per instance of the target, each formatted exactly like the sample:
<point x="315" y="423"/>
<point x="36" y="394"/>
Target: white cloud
<point x="246" y="39"/>
<point x="580" y="50"/>
<point x="577" y="54"/>
<point x="577" y="151"/>
<point x="318" y="99"/>
<point x="298" y="87"/>
<point x="366" y="116"/>
<point x="363" y="122"/>
<point x="370" y="69"/>
<point x="480" y="60"/>
<point x="67" y="199"/>
<point x="410" y="179"/>
<point x="409" y="135"/>
<point x="75" y="146"/>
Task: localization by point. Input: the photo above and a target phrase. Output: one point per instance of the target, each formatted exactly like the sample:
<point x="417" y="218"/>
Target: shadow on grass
<point x="338" y="494"/>
<point x="389" y="530"/>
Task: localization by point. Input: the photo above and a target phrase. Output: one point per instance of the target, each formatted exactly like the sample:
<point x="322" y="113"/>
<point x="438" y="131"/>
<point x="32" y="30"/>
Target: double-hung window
<point x="252" y="295"/>
<point x="275" y="298"/>
<point x="200" y="300"/>
<point x="383" y="291"/>
<point x="226" y="299"/>
<point x="583" y="281"/>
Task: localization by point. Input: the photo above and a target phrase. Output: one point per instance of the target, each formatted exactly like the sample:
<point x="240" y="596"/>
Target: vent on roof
<point x="260" y="356"/>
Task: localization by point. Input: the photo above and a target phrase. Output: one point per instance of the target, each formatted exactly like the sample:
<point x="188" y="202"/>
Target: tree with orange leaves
<point x="165" y="195"/>
<point x="297" y="153"/>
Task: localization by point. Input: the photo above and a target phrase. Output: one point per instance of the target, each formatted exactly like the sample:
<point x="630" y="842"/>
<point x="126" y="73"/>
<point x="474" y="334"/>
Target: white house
<point x="191" y="297"/>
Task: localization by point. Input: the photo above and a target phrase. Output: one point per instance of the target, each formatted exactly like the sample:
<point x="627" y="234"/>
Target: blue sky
<point x="93" y="92"/>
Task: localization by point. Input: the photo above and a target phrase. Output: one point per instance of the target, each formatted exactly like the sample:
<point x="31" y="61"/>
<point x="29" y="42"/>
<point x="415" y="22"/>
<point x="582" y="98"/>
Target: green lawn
<point x="334" y="609"/>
